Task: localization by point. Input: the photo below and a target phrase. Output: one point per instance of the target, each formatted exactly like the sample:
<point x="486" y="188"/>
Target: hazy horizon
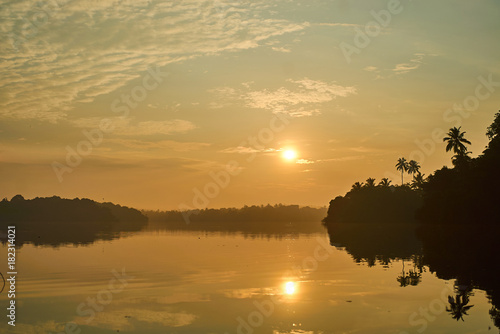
<point x="156" y="98"/>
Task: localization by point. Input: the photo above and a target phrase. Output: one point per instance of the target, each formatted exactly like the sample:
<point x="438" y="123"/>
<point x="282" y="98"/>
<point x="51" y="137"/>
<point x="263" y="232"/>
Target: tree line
<point x="56" y="221"/>
<point x="278" y="218"/>
<point x="464" y="193"/>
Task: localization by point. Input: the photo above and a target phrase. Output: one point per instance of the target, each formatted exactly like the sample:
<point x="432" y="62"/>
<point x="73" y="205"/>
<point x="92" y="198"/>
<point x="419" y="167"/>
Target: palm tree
<point x="414" y="277"/>
<point x="456" y="141"/>
<point x="370" y="183"/>
<point x="357" y="186"/>
<point x="458" y="306"/>
<point x="403" y="280"/>
<point x="402" y="165"/>
<point x="413" y="167"/>
<point x="418" y="181"/>
<point x="385" y="182"/>
<point x="411" y="278"/>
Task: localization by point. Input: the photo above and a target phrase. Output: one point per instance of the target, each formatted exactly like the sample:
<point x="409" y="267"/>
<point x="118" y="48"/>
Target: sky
<point x="192" y="104"/>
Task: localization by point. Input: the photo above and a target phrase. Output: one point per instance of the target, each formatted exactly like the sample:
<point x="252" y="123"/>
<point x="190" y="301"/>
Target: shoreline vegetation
<point x="448" y="222"/>
<point x="468" y="193"/>
<point x="267" y="219"/>
<point x="56" y="221"/>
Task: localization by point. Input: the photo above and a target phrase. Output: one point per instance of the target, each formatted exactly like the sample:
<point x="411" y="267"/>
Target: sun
<point x="289" y="154"/>
<point x="290" y="288"/>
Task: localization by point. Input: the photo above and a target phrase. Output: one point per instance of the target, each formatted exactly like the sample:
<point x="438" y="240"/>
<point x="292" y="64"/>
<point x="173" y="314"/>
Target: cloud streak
<point x="300" y="98"/>
<point x="125" y="126"/>
<point x="86" y="49"/>
<point x="412" y="65"/>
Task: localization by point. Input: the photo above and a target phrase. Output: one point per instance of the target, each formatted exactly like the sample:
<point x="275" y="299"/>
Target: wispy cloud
<point x="157" y="127"/>
<point x="370" y="69"/>
<point x="413" y="64"/>
<point x="89" y="49"/>
<point x="281" y="49"/>
<point x="300" y="97"/>
<point x="304" y="162"/>
<point x="247" y="150"/>
<point x="345" y="25"/>
<point x="344" y="158"/>
<point x="302" y="100"/>
<point x="162" y="144"/>
<point x="126" y="127"/>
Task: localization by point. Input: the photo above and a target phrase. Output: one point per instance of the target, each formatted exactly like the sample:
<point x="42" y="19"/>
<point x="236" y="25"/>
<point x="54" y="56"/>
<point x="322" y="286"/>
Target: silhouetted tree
<point x="402" y="166"/>
<point x="413" y="167"/>
<point x="456" y="141"/>
<point x="17" y="199"/>
<point x="458" y="306"/>
<point x="55" y="221"/>
<point x="418" y="181"/>
<point x="370" y="183"/>
<point x="494" y="129"/>
<point x="256" y="218"/>
<point x="461" y="160"/>
<point x="357" y="186"/>
<point x="495" y="316"/>
<point x="385" y="182"/>
<point x="411" y="278"/>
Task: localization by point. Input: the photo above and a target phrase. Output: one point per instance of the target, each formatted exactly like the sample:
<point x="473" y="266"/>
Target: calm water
<point x="198" y="282"/>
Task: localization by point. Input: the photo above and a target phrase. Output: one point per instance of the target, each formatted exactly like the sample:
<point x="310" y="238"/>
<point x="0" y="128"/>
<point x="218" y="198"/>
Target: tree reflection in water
<point x="459" y="252"/>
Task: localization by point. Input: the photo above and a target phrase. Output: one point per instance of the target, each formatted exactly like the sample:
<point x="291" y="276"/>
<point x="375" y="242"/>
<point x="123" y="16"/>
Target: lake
<point x="161" y="281"/>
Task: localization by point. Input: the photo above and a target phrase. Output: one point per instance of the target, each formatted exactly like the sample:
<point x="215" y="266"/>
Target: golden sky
<point x="187" y="104"/>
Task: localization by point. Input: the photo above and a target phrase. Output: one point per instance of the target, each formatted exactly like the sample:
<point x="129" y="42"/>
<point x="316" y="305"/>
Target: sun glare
<point x="290" y="288"/>
<point x="289" y="154"/>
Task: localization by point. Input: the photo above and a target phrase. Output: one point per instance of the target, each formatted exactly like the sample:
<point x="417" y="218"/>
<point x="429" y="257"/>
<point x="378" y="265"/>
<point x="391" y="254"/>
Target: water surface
<point x="210" y="282"/>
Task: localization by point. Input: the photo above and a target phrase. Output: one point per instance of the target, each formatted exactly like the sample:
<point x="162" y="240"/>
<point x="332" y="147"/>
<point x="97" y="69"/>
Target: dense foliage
<point x="277" y="218"/>
<point x="55" y="221"/>
<point x="468" y="193"/>
<point x="376" y="204"/>
<point x="459" y="229"/>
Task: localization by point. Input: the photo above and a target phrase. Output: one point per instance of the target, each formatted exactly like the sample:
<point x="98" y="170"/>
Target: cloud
<point x="163" y="144"/>
<point x="157" y="127"/>
<point x="80" y="50"/>
<point x="344" y="158"/>
<point x="346" y="25"/>
<point x="124" y="126"/>
<point x="297" y="102"/>
<point x="281" y="49"/>
<point x="300" y="98"/>
<point x="413" y="64"/>
<point x="248" y="150"/>
<point x="371" y="69"/>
